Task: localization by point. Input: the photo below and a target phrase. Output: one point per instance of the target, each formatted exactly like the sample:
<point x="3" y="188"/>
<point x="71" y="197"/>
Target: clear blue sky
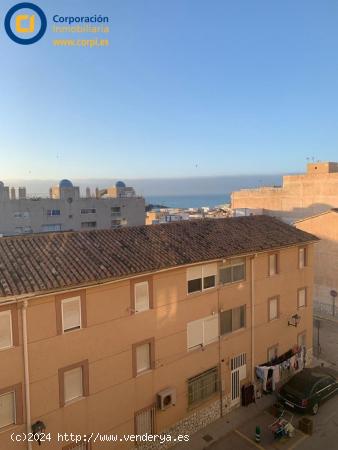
<point x="234" y="87"/>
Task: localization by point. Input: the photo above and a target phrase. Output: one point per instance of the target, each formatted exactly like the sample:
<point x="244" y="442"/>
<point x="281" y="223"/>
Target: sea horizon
<point x="188" y="201"/>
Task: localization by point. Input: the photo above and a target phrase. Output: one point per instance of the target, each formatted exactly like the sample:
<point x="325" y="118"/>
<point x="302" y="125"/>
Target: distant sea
<point x="188" y="201"/>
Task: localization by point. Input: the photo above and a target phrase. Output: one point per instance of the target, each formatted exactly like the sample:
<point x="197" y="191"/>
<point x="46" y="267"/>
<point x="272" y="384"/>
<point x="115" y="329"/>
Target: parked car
<point x="305" y="391"/>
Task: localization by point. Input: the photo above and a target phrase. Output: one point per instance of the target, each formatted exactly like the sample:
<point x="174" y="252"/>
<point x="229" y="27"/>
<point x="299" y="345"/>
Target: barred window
<point x="203" y="386"/>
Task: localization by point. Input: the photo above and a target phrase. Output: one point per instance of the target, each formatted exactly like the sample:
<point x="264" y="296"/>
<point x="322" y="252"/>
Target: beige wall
<point x="115" y="395"/>
<point x="325" y="226"/>
<point x="300" y="196"/>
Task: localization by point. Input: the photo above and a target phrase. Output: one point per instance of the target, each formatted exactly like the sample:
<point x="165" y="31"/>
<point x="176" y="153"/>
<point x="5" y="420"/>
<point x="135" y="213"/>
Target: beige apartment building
<point x="325" y="226"/>
<point x="65" y="209"/>
<point x="300" y="196"/>
<point x="150" y="329"/>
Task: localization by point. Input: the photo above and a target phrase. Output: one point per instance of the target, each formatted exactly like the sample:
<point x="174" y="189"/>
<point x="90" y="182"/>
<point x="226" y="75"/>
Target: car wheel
<point x="315" y="409"/>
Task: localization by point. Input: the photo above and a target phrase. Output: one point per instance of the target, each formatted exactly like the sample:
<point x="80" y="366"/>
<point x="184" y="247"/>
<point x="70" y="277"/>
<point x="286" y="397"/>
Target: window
<point x="203" y="386"/>
<point x="9" y="327"/>
<point x="273" y="264"/>
<point x="88" y="224"/>
<point x="301" y="297"/>
<point x="302" y="257"/>
<point x="70" y="311"/>
<point x="145" y="421"/>
<point x="11" y="406"/>
<point x="71" y="314"/>
<point x="53" y="212"/>
<point x="273" y="308"/>
<point x="6" y="335"/>
<point x="7" y="409"/>
<point x="88" y="211"/>
<point x="232" y="320"/>
<point x="51" y="228"/>
<point x="201" y="278"/>
<point x="232" y="271"/>
<point x="73" y="382"/>
<point x="21" y="215"/>
<point x="141" y="296"/>
<point x="301" y="339"/>
<point x="202" y="332"/>
<point x="116" y="223"/>
<point x="141" y="293"/>
<point x="272" y="352"/>
<point x="115" y="211"/>
<point x="143" y="357"/>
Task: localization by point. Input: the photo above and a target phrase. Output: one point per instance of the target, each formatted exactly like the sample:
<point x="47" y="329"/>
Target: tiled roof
<point x="53" y="261"/>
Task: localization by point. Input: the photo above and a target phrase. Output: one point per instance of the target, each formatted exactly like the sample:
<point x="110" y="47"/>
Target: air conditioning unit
<point x="166" y="398"/>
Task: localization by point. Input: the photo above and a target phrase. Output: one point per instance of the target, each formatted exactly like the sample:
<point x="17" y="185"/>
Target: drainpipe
<point x="26" y="362"/>
<point x="252" y="266"/>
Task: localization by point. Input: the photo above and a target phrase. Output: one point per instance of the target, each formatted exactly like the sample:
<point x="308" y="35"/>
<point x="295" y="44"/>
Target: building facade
<point x="300" y="195"/>
<point x="65" y="209"/>
<point x="325" y="226"/>
<point x="148" y="329"/>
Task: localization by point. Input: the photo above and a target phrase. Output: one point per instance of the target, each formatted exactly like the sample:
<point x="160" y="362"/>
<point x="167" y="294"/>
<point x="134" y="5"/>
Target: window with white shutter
<point x="211" y="329"/>
<point x="301" y="297"/>
<point x="273" y="264"/>
<point x="302" y="257"/>
<point x="141" y="296"/>
<point x="273" y="308"/>
<point x="143" y="358"/>
<point x="202" y="332"/>
<point x="73" y="384"/>
<point x="209" y="272"/>
<point x="194" y="279"/>
<point x="6" y="335"/>
<point x="71" y="314"/>
<point x="7" y="409"/>
<point x="195" y="334"/>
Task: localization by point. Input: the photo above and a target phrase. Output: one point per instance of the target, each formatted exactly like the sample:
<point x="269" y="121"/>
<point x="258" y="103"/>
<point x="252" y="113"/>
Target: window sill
<point x="8" y="428"/>
<point x="75" y="400"/>
<point x="239" y="331"/>
<point x="231" y="283"/>
<point x="5" y="349"/>
<point x="144" y="372"/>
<point x="72" y="330"/>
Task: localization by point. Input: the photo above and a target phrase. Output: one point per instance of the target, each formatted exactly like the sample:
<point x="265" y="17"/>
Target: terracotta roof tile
<point x="50" y="262"/>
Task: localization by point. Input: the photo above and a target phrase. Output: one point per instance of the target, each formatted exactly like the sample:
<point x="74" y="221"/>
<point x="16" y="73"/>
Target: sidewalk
<point x="205" y="437"/>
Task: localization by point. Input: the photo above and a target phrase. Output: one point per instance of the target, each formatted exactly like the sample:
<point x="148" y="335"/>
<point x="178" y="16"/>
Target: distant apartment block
<point x="66" y="210"/>
<point x="150" y="329"/>
<point x="299" y="196"/>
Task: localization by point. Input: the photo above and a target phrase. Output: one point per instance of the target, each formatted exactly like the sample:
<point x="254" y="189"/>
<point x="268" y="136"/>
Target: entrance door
<point x="238" y="373"/>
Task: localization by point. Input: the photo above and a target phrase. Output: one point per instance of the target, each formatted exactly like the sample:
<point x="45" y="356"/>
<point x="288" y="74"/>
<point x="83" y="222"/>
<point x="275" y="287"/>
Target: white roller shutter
<point x="141" y="296"/>
<point x="7" y="409"/>
<point x="143" y="357"/>
<point x="71" y="313"/>
<point x="73" y="384"/>
<point x="195" y="334"/>
<point x="211" y="329"/>
<point x="210" y="270"/>
<point x="6" y="340"/>
<point x="194" y="272"/>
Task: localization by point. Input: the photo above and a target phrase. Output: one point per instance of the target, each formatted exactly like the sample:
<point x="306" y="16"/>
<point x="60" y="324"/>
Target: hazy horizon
<point x="206" y="185"/>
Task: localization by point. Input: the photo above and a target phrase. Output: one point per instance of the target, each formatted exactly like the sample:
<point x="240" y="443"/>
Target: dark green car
<point x="305" y="391"/>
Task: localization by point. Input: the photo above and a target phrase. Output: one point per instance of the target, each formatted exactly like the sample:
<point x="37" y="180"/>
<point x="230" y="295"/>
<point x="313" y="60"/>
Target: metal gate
<point x="238" y="372"/>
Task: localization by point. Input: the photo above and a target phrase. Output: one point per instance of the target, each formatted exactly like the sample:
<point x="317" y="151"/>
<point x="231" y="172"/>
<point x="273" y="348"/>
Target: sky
<point x="186" y="88"/>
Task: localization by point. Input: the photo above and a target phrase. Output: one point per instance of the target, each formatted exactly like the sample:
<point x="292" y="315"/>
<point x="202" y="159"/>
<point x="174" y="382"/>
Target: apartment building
<point x="325" y="226"/>
<point x="150" y="329"/>
<point x="65" y="209"/>
<point x="300" y="196"/>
